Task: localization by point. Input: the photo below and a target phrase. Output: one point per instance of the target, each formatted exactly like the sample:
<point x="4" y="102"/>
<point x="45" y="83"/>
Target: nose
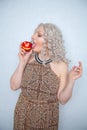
<point x="33" y="37"/>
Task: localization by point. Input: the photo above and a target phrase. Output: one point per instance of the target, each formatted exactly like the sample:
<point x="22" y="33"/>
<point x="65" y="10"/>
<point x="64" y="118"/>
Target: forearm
<point x="66" y="93"/>
<point x="16" y="78"/>
<point x="67" y="83"/>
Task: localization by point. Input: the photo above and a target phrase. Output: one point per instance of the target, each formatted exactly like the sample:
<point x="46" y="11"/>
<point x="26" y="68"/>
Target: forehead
<point x="40" y="29"/>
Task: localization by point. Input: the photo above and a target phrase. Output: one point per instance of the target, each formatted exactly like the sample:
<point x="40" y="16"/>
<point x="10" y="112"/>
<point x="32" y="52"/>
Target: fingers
<point x="78" y="69"/>
<point x="80" y="64"/>
<point x="21" y="52"/>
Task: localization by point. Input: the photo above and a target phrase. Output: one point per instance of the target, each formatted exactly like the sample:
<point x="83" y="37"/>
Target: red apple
<point x="26" y="45"/>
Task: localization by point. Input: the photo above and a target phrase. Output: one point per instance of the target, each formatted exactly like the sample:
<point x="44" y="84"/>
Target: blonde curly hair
<point x="54" y="38"/>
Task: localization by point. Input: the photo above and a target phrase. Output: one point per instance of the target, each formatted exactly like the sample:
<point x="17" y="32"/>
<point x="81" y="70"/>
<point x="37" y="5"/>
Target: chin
<point x="36" y="50"/>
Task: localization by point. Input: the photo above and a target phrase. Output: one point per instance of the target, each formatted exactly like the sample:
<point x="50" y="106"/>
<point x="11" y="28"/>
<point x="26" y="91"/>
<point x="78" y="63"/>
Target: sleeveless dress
<point x="37" y="107"/>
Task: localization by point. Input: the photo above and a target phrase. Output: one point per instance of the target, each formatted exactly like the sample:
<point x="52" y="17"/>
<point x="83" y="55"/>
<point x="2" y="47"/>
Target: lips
<point x="33" y="46"/>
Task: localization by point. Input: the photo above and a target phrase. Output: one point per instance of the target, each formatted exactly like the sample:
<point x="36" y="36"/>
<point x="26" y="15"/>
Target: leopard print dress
<point x="37" y="106"/>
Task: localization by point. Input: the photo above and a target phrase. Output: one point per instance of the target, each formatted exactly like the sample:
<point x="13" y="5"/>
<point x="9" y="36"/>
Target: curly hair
<point x="53" y="36"/>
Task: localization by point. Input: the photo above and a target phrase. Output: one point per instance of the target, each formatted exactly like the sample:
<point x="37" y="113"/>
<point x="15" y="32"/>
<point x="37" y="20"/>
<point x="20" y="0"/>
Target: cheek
<point x="41" y="45"/>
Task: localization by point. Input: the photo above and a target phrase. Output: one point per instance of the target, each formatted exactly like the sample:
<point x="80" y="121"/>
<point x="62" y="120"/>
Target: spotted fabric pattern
<point x="37" y="107"/>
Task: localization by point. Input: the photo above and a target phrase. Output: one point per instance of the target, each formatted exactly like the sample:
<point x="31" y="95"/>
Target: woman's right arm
<point x="16" y="77"/>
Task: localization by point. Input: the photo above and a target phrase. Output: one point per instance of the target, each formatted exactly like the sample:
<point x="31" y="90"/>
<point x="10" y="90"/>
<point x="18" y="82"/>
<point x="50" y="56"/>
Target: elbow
<point x="12" y="85"/>
<point x="13" y="88"/>
<point x="63" y="100"/>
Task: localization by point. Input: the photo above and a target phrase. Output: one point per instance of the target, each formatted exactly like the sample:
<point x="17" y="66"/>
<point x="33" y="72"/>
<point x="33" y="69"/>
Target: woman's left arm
<point x="67" y="80"/>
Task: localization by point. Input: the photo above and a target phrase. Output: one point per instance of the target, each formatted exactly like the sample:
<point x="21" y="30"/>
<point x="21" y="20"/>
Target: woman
<point x="44" y="79"/>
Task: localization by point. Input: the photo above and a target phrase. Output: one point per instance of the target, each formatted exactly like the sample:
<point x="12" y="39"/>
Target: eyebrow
<point x="40" y="32"/>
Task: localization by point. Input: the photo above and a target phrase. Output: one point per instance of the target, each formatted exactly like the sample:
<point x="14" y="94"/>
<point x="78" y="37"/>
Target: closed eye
<point x="39" y="35"/>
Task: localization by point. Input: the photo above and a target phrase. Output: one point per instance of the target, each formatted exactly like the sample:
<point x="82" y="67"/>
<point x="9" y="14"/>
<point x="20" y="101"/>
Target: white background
<point x="18" y="19"/>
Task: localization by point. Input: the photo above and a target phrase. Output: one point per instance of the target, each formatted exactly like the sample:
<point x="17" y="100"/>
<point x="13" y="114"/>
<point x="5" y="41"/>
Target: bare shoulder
<point x="59" y="68"/>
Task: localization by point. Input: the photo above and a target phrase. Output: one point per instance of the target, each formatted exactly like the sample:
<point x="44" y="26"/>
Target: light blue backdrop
<point x="18" y="19"/>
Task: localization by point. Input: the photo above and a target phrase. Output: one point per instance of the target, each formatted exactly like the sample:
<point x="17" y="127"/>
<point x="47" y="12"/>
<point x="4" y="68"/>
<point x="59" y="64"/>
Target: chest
<point x="39" y="76"/>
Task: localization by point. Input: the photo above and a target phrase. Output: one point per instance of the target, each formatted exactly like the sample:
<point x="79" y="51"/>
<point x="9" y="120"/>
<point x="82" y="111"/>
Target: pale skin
<point x="67" y="78"/>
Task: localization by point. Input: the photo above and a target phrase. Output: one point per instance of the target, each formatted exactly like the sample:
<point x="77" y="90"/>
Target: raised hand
<point x="23" y="55"/>
<point x="76" y="71"/>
